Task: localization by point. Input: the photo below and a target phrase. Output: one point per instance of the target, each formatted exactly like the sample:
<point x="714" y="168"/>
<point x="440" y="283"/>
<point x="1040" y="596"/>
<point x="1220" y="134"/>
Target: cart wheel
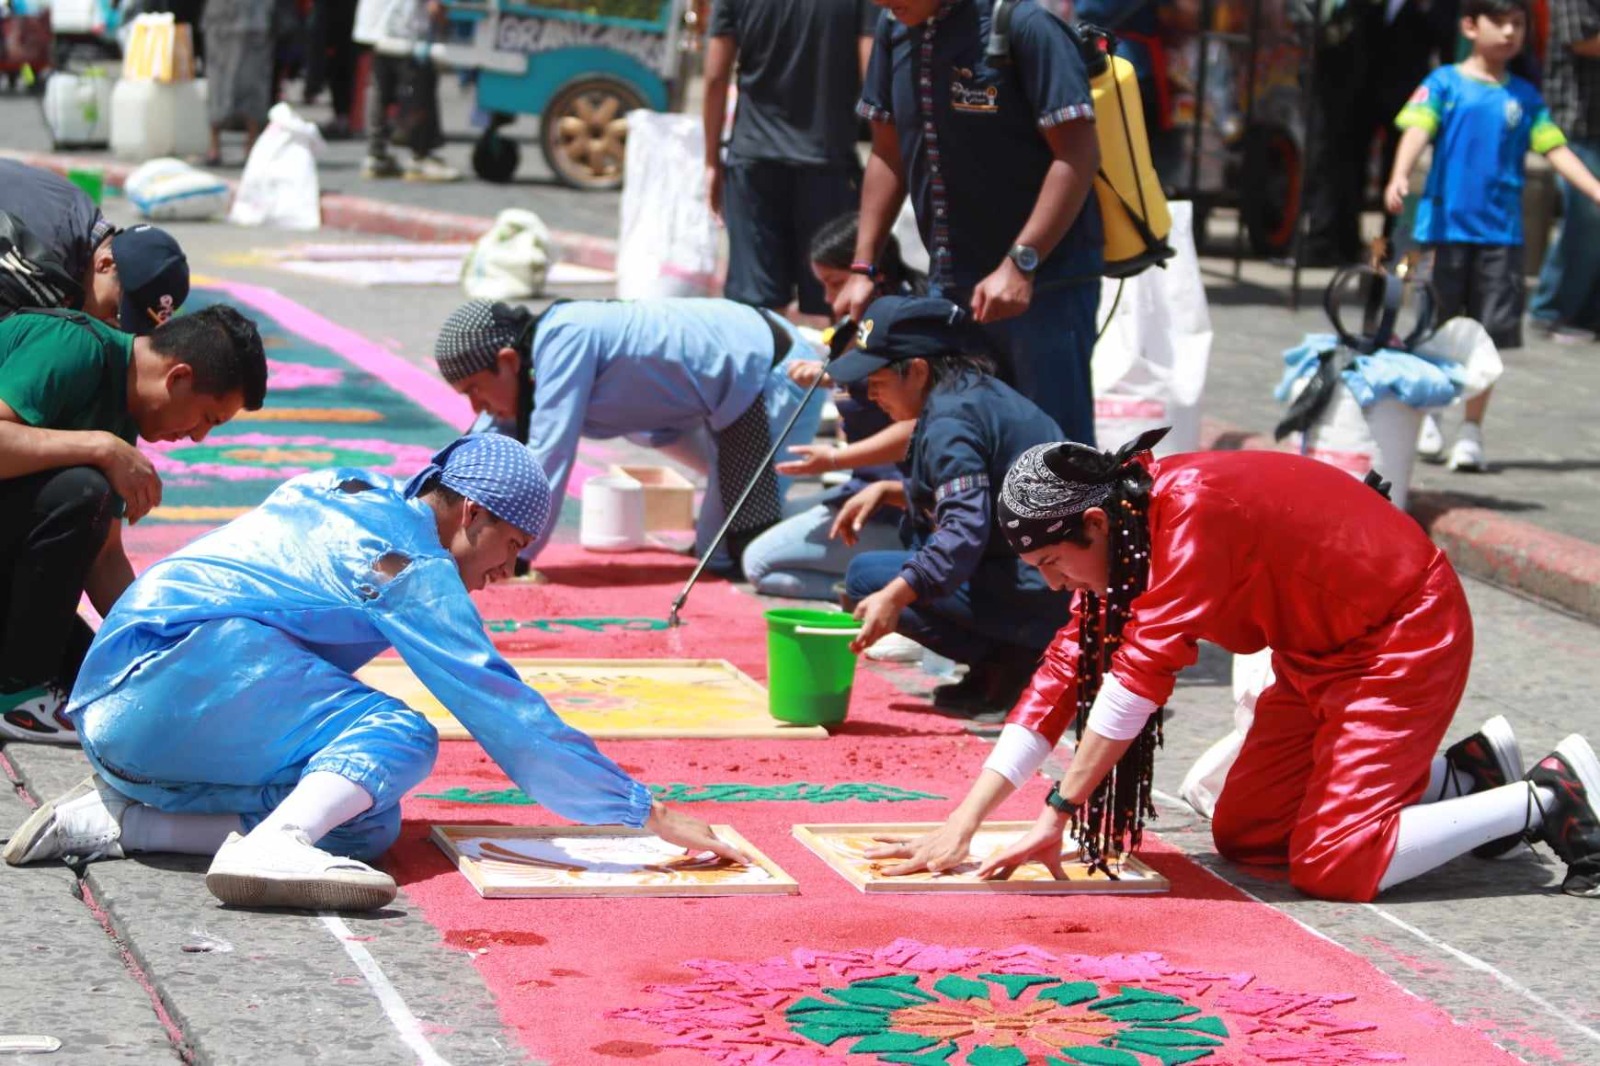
<point x="585" y="131"/>
<point x="1272" y="165"/>
<point x="495" y="158"/>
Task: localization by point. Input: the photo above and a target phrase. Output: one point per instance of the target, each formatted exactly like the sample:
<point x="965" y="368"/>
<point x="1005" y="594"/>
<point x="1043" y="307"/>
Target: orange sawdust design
<point x="311" y="414"/>
<point x="1005" y="1024"/>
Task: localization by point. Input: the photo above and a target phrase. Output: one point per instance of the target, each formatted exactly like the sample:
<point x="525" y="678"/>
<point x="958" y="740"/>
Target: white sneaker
<point x="37" y="715"/>
<point x="431" y="168"/>
<point x="284" y="869"/>
<point x="1430" y="440"/>
<point x="1467" y="455"/>
<point x="381" y="166"/>
<point x="893" y="648"/>
<point x="84" y="824"/>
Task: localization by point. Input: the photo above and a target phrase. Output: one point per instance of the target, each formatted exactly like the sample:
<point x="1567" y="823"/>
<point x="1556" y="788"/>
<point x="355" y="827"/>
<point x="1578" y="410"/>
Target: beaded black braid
<point x="1112" y="820"/>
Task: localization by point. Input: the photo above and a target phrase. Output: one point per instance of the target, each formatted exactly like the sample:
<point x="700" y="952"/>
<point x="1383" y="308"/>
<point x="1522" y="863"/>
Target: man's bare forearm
<point x="27" y="450"/>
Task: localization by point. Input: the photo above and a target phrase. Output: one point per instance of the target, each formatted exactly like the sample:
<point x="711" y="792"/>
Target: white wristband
<point x="1018" y="754"/>
<point x="1118" y="713"/>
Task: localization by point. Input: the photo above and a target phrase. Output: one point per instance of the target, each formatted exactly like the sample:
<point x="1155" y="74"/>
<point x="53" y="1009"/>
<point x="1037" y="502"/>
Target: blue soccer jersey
<point x="1481" y="132"/>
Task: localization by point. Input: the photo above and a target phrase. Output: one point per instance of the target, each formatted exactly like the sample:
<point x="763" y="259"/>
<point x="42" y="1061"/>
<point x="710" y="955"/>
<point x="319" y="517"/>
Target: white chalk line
<point x="1505" y="980"/>
<point x="394" y="1005"/>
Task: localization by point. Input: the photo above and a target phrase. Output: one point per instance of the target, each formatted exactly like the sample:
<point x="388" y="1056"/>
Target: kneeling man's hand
<point x="690" y="833"/>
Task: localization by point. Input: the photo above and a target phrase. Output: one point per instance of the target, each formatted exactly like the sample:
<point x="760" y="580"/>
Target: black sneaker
<point x="987" y="694"/>
<point x="1492" y="758"/>
<point x="1571" y="824"/>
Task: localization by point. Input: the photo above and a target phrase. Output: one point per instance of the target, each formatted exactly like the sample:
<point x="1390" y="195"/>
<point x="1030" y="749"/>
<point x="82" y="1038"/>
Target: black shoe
<point x="986" y="694"/>
<point x="1492" y="758"/>
<point x="1571" y="826"/>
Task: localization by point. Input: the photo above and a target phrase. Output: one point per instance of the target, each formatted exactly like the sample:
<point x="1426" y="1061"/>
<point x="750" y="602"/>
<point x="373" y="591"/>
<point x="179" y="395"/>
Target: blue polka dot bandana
<point x="496" y="472"/>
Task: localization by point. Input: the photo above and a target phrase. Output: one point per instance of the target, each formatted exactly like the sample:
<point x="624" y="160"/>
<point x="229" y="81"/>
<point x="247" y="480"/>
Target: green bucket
<point x="810" y="667"/>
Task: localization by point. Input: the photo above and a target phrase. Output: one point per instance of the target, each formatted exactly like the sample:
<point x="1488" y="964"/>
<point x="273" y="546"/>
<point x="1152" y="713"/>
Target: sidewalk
<point x="1531" y="525"/>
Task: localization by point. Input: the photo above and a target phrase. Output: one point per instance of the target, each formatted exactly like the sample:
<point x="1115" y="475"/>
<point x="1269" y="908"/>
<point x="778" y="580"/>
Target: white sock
<point x="146" y="829"/>
<point x="321" y="802"/>
<point x="1444" y="782"/>
<point x="1433" y="834"/>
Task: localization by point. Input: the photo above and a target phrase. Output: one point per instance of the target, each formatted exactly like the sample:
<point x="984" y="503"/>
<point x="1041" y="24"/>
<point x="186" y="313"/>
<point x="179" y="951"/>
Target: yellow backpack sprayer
<point x="1133" y="207"/>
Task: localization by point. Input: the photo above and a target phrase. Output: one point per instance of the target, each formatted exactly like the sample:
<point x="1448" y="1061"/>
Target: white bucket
<point x="613" y="514"/>
<point x="1383" y="438"/>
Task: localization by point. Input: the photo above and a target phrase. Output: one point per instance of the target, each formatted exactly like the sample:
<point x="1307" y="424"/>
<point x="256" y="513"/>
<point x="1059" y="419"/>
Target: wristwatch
<point x="865" y="269"/>
<point x="1026" y="258"/>
<point x="1058" y="802"/>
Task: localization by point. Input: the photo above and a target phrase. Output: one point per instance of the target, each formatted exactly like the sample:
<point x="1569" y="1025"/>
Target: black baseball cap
<point x="155" y="277"/>
<point x="897" y="328"/>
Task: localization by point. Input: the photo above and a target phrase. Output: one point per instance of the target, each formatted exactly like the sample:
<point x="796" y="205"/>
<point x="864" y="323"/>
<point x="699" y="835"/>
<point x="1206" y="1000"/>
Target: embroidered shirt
<point x="1481" y="133"/>
<point x="970" y="134"/>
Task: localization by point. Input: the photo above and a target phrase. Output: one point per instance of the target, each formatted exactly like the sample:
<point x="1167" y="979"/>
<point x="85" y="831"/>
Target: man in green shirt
<point x="75" y="396"/>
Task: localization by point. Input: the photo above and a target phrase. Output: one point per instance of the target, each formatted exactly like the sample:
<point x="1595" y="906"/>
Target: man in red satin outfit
<point x="1371" y="639"/>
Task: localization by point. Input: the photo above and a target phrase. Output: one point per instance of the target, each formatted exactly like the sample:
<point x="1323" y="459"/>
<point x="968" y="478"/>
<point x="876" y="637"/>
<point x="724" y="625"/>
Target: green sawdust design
<point x="587" y="625"/>
<point x="679" y="792"/>
<point x="990" y="1019"/>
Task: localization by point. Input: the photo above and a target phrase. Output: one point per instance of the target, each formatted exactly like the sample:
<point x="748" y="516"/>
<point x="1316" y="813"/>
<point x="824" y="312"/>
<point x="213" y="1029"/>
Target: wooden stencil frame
<point x="763" y="728"/>
<point x="816" y="838"/>
<point x="446" y="837"/>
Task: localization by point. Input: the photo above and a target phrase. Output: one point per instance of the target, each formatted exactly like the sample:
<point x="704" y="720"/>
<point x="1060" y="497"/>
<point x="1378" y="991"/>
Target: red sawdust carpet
<point x="831" y="975"/>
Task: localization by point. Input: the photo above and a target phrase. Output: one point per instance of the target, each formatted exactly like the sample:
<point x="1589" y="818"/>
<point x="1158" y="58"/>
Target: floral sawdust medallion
<point x="1007" y="1020"/>
<point x="927" y="1005"/>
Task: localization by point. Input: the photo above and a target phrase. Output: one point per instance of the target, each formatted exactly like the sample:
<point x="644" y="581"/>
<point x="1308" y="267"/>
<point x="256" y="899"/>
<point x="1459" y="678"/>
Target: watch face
<point x="1026" y="258"/>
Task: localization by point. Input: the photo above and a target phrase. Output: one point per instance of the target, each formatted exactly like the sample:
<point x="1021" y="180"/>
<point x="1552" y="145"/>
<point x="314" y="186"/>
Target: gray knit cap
<point x="473" y="335"/>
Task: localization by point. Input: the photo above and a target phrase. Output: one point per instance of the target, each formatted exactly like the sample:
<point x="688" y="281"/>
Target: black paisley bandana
<point x="1051" y="484"/>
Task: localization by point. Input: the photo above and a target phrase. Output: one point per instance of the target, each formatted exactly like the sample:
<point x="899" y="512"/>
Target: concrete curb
<point x="1481" y="542"/>
<point x="362" y="214"/>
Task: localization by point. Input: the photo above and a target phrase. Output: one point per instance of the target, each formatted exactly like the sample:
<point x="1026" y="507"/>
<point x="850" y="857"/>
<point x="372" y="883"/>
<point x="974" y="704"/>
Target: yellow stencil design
<point x="198" y="514"/>
<point x="617" y="698"/>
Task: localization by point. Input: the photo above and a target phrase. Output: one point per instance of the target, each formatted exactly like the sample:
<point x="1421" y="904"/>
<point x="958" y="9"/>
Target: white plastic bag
<point x="1150" y="364"/>
<point x="668" y="240"/>
<point x="1203" y="783"/>
<point x="1465" y="341"/>
<point x="509" y="262"/>
<point x="279" y="186"/>
<point x="165" y="190"/>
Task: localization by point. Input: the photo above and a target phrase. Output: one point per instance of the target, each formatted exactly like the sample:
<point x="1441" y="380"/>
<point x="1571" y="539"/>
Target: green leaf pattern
<point x="897" y="1020"/>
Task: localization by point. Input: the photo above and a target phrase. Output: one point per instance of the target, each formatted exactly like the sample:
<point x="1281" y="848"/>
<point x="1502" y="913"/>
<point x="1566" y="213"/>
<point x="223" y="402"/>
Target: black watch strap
<point x="1057" y="801"/>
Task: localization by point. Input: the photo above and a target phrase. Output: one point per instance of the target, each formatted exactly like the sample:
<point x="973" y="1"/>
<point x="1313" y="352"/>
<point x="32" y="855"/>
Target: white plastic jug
<point x="1383" y="438"/>
<point x="151" y="119"/>
<point x="613" y="514"/>
<point x="77" y="108"/>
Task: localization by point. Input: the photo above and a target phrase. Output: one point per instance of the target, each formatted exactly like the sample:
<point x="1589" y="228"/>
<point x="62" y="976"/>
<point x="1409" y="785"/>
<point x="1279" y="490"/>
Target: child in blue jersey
<point x="1482" y="120"/>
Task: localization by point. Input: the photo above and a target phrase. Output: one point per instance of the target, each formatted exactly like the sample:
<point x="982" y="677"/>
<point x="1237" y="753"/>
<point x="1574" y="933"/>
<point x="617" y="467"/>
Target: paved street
<point x="136" y="964"/>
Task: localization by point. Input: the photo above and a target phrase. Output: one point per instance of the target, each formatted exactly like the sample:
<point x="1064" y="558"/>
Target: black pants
<point x="773" y="210"/>
<point x="331" y="54"/>
<point x="412" y="88"/>
<point x="1351" y="110"/>
<point x="52" y="527"/>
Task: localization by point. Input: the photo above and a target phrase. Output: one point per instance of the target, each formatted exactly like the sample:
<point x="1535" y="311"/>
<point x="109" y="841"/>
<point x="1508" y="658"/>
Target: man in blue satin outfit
<point x="218" y="708"/>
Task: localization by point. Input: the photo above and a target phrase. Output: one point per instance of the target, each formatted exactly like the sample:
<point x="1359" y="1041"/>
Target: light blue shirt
<point x="302" y="562"/>
<point x="649" y="370"/>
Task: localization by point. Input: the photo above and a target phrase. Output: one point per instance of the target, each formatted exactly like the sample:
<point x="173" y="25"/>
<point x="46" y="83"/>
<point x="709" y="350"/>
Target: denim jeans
<point x="1569" y="281"/>
<point x="795" y="558"/>
<point x="1006" y="606"/>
